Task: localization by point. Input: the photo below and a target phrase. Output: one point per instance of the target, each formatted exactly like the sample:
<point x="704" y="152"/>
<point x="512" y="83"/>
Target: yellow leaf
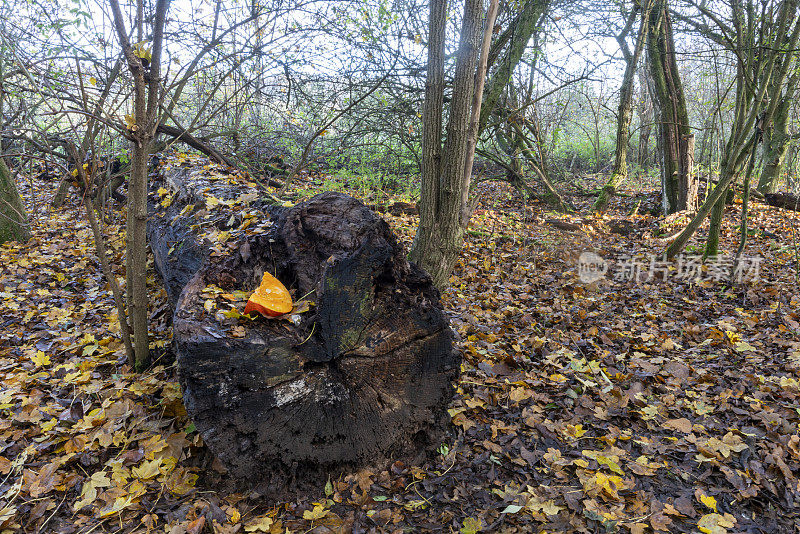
<point x="519" y="394"/>
<point x="40" y="359"/>
<point x="234" y="516"/>
<point x="130" y="122"/>
<point x="471" y="526"/>
<point x="48" y="426"/>
<point x="7" y="513"/>
<point x="455" y="411"/>
<point x="212" y="202"/>
<point x="709" y="501"/>
<point x="181" y="481"/>
<point x="318" y="512"/>
<point x="119" y="504"/>
<point x="92" y="80"/>
<point x="606" y="486"/>
<point x="733" y="337"/>
<point x="610" y="463"/>
<point x="162" y="191"/>
<point x="148" y="469"/>
<point x="261" y="524"/>
<point x="302" y="306"/>
<point x="142" y="52"/>
<point x="535" y="504"/>
<point x="551" y="508"/>
<point x="576" y="431"/>
<point x="474" y="402"/>
<point x="716" y="523"/>
<point x="233" y="313"/>
<point x="89" y="492"/>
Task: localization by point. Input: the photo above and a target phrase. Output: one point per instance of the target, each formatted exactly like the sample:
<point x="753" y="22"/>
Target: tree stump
<point x="362" y="377"/>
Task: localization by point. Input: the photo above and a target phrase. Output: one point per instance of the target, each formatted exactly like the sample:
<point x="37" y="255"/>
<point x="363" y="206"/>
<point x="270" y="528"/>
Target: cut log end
<point x="363" y="377"/>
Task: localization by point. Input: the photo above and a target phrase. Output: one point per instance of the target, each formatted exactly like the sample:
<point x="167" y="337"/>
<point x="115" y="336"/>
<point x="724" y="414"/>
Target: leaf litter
<point x="660" y="405"/>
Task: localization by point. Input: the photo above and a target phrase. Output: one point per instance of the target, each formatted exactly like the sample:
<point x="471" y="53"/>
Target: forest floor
<point x="631" y="396"/>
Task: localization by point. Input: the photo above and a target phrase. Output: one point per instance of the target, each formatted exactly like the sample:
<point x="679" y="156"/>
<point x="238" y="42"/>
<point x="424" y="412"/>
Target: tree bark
<point x="776" y="146"/>
<point x="14" y="224"/>
<point x="432" y="110"/>
<point x="688" y="184"/>
<point x="364" y="376"/>
<point x="645" y="112"/>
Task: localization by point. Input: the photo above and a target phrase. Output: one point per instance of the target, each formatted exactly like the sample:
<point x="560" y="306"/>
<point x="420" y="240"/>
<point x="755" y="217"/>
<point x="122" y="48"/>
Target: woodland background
<point x="663" y="402"/>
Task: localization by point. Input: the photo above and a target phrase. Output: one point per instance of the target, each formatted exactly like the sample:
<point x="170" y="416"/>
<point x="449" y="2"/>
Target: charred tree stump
<point x="363" y="376"/>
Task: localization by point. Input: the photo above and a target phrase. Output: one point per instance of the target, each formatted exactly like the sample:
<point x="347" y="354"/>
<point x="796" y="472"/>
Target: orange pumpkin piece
<point x="271" y="298"/>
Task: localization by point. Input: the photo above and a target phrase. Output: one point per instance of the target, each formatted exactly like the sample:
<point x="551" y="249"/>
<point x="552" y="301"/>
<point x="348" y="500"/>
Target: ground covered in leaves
<point x="631" y="395"/>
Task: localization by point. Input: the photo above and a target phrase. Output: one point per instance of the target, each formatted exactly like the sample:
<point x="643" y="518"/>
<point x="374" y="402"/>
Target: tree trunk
<point x="197" y="144"/>
<point x="645" y="112"/>
<point x="520" y="31"/>
<point x="715" y="225"/>
<point x="145" y="72"/>
<point x="136" y="254"/>
<point x="624" y="111"/>
<point x="442" y="208"/>
<point x="776" y="146"/>
<point x="688" y="184"/>
<point x="432" y="110"/>
<point x="671" y="114"/>
<point x="364" y="376"/>
<point x="14" y="224"/>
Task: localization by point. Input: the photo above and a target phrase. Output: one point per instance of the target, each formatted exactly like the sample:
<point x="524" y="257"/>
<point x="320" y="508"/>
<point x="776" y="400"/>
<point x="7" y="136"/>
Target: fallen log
<point x="563" y="225"/>
<point x="396" y="208"/>
<point x="362" y="377"/>
<point x="786" y="201"/>
<point x="196" y="143"/>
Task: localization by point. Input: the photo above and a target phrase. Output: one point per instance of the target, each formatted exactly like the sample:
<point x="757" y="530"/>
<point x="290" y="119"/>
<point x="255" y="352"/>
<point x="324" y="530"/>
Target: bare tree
<point x="762" y="71"/>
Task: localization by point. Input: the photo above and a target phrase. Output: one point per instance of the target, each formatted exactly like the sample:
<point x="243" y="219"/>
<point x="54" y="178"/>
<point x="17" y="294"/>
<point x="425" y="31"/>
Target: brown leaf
<point x="196" y="526"/>
<point x="681" y="425"/>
